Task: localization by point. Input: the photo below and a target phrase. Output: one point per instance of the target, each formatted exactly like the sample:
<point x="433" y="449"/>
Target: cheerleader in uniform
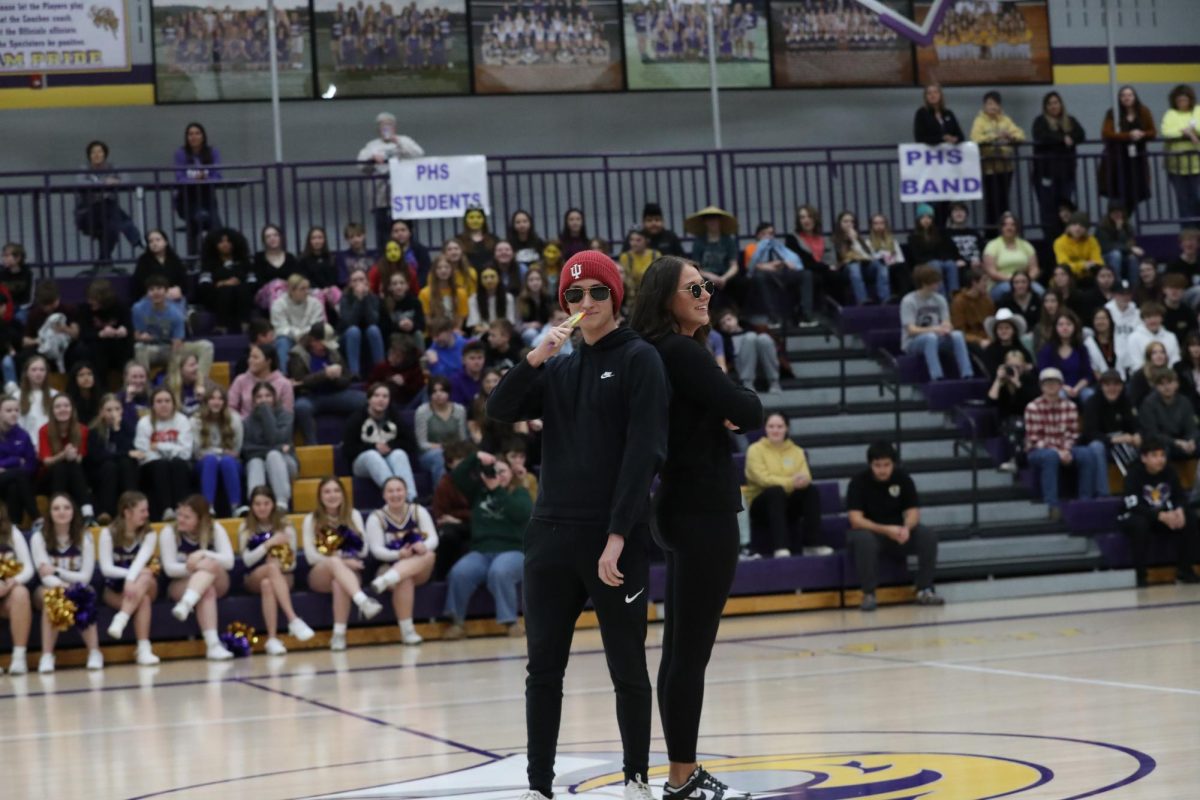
<point x="403" y="537"/>
<point x="63" y="555"/>
<point x="268" y="545"/>
<point x="197" y="556"/>
<point x="334" y="548"/>
<point x="16" y="569"/>
<point x="130" y="585"/>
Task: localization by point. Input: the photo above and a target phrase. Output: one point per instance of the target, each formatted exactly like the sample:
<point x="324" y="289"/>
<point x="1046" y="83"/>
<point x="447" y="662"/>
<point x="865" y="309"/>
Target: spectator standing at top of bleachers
<point x="18" y="463"/>
<point x="779" y="491"/>
<point x="1150" y="330"/>
<point x="106" y="330"/>
<point x="159" y="331"/>
<point x="885" y="519"/>
<point x="1052" y="441"/>
<point x="17" y="277"/>
<point x="159" y="258"/>
<point x="970" y="309"/>
<point x="197" y="164"/>
<point x="1125" y="168"/>
<point x="111" y="462"/>
<point x="996" y="134"/>
<point x="374" y="157"/>
<point x="359" y="318"/>
<point x="1181" y="128"/>
<point x="98" y="211"/>
<point x="1156" y="507"/>
<point x="227" y="283"/>
<point x="934" y="124"/>
<point x="1110" y="422"/>
<point x="926" y="328"/>
<point x="321" y="380"/>
<point x="1056" y="136"/>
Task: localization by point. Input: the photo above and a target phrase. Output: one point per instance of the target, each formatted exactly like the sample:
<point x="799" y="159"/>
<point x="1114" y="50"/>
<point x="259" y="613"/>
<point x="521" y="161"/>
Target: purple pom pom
<point x="84" y="598"/>
<point x="235" y="643"/>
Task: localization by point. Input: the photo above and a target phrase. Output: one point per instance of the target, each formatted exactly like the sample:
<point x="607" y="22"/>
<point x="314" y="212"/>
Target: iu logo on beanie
<point x="593" y="265"/>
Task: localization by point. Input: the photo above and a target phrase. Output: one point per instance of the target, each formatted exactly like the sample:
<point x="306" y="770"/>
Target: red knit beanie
<point x="594" y="265"/>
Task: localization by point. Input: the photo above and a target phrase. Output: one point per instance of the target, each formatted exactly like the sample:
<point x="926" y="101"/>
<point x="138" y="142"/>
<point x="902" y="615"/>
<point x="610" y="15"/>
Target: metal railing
<point x="959" y="413"/>
<point x="893" y="384"/>
<point x="38" y="208"/>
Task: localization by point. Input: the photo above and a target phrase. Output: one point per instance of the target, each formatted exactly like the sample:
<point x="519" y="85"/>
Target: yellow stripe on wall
<point x="137" y="94"/>
<point x="1128" y="73"/>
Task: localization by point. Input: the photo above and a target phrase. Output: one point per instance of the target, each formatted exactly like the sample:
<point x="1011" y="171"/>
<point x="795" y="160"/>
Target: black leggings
<point x="778" y="509"/>
<point x="69" y="477"/>
<point x="16" y="489"/>
<point x="167" y="481"/>
<point x="111" y="479"/>
<point x="702" y="556"/>
<point x="1140" y="531"/>
<point x="560" y="577"/>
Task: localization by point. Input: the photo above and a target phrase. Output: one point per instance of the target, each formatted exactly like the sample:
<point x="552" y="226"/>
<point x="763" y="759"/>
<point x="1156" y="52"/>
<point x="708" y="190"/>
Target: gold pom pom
<point x="60" y="611"/>
<point x="285" y="555"/>
<point x="154" y="566"/>
<point x="242" y="629"/>
<point x="10" y="567"/>
<point x="329" y="541"/>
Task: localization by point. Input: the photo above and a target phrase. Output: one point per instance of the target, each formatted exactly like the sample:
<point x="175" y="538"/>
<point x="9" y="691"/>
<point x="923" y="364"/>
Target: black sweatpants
<point x="69" y="477"/>
<point x="16" y="489"/>
<point x="868" y="547"/>
<point x="702" y="556"/>
<point x="560" y="577"/>
<point x="1186" y="541"/>
<point x="167" y="482"/>
<point x="777" y="509"/>
<point x="110" y="480"/>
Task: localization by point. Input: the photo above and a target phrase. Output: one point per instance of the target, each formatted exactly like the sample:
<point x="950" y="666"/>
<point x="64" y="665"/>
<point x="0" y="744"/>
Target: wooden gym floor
<point x="1092" y="695"/>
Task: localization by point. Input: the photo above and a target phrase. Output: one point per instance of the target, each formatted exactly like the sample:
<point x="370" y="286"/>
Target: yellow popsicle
<point x="576" y="318"/>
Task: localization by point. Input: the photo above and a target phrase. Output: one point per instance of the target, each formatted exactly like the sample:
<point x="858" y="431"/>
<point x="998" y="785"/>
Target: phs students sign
<point x="431" y="188"/>
<point x="946" y="172"/>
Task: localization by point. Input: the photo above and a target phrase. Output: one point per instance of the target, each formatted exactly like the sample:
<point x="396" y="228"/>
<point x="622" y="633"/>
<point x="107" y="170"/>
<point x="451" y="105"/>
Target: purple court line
<point x="600" y="651"/>
<point x="277" y="773"/>
<point x="373" y="720"/>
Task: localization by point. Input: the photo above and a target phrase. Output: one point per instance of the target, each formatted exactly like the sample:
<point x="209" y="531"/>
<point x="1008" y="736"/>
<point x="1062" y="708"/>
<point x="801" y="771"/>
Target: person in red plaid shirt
<point x="1051" y="431"/>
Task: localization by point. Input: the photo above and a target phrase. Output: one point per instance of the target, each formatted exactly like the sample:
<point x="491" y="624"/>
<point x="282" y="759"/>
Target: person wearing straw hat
<point x="714" y="249"/>
<point x="1004" y="330"/>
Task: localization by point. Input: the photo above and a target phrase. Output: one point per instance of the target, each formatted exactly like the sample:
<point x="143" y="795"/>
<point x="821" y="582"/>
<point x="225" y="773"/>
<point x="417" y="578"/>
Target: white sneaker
<point x="411" y="637"/>
<point x="337" y="642"/>
<point x="380" y="584"/>
<point x="369" y="608"/>
<point x="533" y="794"/>
<point x="217" y="652"/>
<point x="169" y="515"/>
<point x="146" y="657"/>
<point x="120" y="620"/>
<point x="1009" y="467"/>
<point x="637" y="789"/>
<point x="819" y="550"/>
<point x="95" y="660"/>
<point x="299" y="629"/>
<point x="18" y="666"/>
<point x="46" y="663"/>
<point x="181" y="611"/>
<point x="241" y="511"/>
<point x="275" y="647"/>
<point x="783" y="552"/>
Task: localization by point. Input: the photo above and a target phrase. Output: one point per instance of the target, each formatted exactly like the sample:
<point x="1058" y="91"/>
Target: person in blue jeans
<point x="1051" y="441"/>
<point x="321" y="379"/>
<point x="378" y="444"/>
<point x="925" y="325"/>
<point x="501" y="508"/>
<point x="854" y="256"/>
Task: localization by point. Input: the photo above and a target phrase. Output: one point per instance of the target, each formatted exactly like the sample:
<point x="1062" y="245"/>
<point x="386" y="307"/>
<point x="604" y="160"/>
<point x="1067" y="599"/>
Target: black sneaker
<point x="868" y="603"/>
<point x="1187" y="576"/>
<point x="928" y="597"/>
<point x="702" y="786"/>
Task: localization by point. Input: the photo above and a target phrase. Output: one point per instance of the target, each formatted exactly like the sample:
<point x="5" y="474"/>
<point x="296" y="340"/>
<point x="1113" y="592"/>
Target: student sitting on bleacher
<point x="445" y="353"/>
<point x="190" y="387"/>
<point x="378" y="444"/>
<point x="402" y="537"/>
<point x="401" y="370"/>
<point x="293" y="315"/>
<point x="779" y="491"/>
<point x="1141" y="381"/>
<point x="1014" y="388"/>
<point x="164" y="447"/>
<point x="321" y="380"/>
<point x="752" y="352"/>
<point x="268" y="546"/>
<point x="437" y="423"/>
<point x="83" y="391"/>
<point x="217" y="438"/>
<point x="925" y="325"/>
<point x="111" y="465"/>
<point x="401" y="311"/>
<point x="160" y="329"/>
<point x="1155" y="505"/>
<point x="464" y="384"/>
<point x="52" y="329"/>
<point x="1004" y="331"/>
<point x="1151" y="330"/>
<point x="1065" y="354"/>
<point x="33" y="396"/>
<point x="885" y="519"/>
<point x="133" y="395"/>
<point x="500" y="512"/>
<point x="62" y="446"/>
<point x="1051" y="441"/>
<point x="18" y="464"/>
<point x="267" y="436"/>
<point x="1166" y="416"/>
<point x="261" y="367"/>
<point x="159" y="258"/>
<point x="359" y="318"/>
<point x="196" y="556"/>
<point x="1110" y="422"/>
<point x="970" y="308"/>
<point x="106" y="329"/>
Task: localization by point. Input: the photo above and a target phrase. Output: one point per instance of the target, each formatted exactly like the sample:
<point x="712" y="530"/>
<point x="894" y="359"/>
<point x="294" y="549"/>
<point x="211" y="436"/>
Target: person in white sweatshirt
<point x="63" y="555"/>
<point x="1151" y="330"/>
<point x="1125" y="315"/>
<point x="402" y="537"/>
<point x="163" y="445"/>
<point x="130" y="586"/>
<point x="337" y="571"/>
<point x="197" y="556"/>
<point x="269" y="571"/>
<point x="293" y="315"/>
<point x="15" y="602"/>
<point x="34" y="393"/>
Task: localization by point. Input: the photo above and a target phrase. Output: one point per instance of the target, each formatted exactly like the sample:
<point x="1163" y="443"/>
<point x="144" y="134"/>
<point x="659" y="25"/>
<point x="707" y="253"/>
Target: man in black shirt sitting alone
<point x="1109" y="421"/>
<point x="885" y="520"/>
<point x="1155" y="505"/>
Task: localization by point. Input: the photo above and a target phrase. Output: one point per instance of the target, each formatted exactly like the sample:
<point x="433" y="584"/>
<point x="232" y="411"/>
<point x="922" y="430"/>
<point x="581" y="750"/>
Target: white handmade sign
<point x="46" y="36"/>
<point x="441" y="186"/>
<point x="946" y="172"/>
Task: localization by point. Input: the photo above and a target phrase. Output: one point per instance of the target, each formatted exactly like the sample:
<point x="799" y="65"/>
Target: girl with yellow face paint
<point x="551" y="263"/>
<point x="476" y="240"/>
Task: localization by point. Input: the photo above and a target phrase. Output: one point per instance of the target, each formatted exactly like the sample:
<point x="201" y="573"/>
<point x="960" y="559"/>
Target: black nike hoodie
<point x="604" y="410"/>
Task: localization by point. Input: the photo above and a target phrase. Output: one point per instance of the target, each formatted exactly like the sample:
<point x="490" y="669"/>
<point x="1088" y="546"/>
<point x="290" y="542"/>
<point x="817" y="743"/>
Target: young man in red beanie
<point x="604" y="436"/>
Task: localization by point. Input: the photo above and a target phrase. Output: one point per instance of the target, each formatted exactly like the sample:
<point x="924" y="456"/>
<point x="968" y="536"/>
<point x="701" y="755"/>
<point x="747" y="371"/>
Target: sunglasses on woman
<point x="697" y="288"/>
<point x="598" y="293"/>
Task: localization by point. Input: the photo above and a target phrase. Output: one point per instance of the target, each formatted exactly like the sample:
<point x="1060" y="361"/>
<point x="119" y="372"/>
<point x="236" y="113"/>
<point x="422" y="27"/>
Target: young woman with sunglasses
<point x="698" y="503"/>
<point x="604" y="412"/>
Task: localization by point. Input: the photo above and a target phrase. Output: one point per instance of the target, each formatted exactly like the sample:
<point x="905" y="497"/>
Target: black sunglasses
<point x="598" y="293"/>
<point x="697" y="288"/>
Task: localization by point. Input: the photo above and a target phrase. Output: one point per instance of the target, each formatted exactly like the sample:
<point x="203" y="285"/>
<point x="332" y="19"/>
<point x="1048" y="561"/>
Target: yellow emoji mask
<point x="392" y="252"/>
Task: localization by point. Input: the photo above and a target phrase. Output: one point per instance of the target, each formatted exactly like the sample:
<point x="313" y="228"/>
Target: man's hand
<point x="607" y="568"/>
<point x="1065" y="456"/>
<point x="800" y="481"/>
<point x="553" y="342"/>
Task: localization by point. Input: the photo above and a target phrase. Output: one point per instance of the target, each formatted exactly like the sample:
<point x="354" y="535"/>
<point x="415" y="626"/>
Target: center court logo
<point x="957" y="766"/>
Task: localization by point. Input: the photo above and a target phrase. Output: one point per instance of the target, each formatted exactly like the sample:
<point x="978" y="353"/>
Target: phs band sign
<point x="41" y="36"/>
<point x="430" y="188"/>
<point x="946" y="172"/>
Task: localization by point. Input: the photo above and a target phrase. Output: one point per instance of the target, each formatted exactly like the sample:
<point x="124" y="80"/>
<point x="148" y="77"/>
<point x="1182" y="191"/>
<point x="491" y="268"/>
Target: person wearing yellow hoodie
<point x="995" y="133"/>
<point x="1078" y="249"/>
<point x="779" y="490"/>
<point x="1181" y="128"/>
